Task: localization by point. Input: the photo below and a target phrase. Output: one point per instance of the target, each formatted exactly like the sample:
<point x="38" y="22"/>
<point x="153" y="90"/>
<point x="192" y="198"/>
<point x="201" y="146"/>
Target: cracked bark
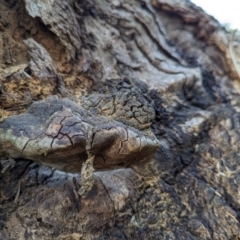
<point x="180" y="57"/>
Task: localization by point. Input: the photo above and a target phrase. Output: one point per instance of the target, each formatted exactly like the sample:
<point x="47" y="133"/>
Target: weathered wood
<point x="179" y="56"/>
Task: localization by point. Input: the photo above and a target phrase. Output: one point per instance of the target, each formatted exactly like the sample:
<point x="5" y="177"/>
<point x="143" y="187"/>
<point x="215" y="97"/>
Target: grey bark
<point x="179" y="56"/>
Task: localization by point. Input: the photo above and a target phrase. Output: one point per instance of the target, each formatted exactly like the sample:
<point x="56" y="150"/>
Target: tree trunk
<point x="180" y="57"/>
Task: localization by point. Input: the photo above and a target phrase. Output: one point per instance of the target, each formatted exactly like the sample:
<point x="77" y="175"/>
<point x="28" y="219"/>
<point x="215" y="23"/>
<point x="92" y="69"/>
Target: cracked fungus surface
<point x="60" y="133"/>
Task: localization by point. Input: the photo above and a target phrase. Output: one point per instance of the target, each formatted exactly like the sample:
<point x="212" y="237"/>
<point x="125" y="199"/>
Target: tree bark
<point x="175" y="52"/>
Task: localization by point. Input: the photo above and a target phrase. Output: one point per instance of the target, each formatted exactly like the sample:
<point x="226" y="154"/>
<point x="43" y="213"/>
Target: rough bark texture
<point x="180" y="57"/>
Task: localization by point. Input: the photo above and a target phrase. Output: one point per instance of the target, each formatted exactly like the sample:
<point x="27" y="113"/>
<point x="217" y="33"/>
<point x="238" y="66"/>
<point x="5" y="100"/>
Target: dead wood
<point x="179" y="57"/>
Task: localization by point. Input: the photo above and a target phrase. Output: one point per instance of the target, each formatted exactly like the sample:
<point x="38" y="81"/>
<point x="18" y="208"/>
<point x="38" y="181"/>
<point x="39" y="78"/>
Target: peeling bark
<point x="178" y="56"/>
